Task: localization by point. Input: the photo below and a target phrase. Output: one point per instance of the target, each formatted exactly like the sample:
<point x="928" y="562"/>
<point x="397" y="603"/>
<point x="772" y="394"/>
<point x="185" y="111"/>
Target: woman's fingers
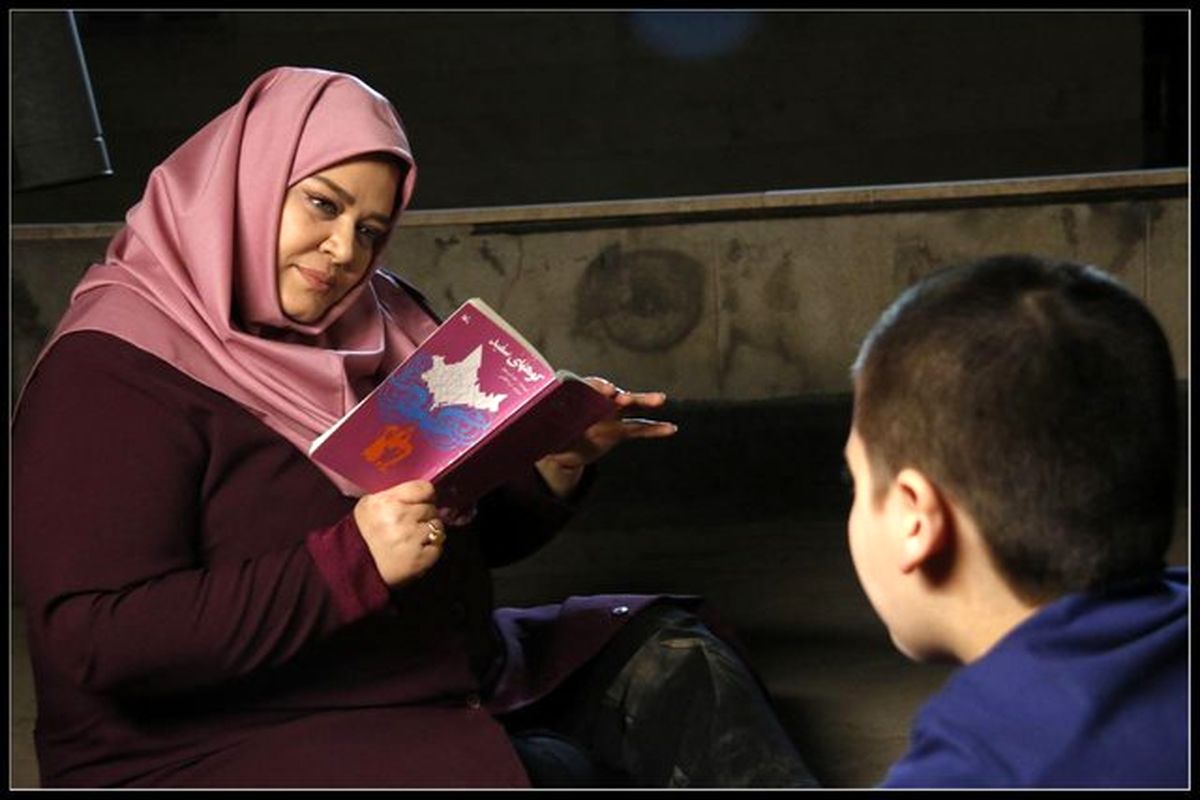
<point x="402" y="530"/>
<point x="640" y="399"/>
<point x="637" y="428"/>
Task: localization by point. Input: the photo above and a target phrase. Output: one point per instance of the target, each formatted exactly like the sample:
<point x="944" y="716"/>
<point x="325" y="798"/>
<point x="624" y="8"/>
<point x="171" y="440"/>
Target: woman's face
<point x="332" y="225"/>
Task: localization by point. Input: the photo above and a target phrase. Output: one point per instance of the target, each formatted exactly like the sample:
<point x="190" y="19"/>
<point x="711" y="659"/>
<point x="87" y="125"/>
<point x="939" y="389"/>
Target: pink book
<point x="468" y="409"/>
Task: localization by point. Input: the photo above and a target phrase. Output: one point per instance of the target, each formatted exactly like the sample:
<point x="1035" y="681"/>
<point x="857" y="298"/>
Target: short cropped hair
<point x="1041" y="396"/>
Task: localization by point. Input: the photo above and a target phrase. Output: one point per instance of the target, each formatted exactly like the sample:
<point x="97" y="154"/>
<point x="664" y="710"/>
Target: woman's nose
<point x="339" y="244"/>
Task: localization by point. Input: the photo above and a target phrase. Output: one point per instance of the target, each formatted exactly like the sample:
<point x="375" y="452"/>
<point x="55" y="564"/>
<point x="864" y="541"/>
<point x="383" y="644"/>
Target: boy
<point x="1014" y="453"/>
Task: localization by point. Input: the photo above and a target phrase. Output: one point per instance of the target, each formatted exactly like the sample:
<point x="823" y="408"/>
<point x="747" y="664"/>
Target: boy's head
<point x="1038" y="398"/>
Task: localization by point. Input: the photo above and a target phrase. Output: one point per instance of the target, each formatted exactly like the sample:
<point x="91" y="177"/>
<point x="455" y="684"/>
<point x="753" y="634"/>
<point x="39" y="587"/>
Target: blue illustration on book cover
<point x="426" y="394"/>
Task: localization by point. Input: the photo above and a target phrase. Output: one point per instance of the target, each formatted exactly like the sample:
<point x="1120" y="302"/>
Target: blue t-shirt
<point x="1092" y="690"/>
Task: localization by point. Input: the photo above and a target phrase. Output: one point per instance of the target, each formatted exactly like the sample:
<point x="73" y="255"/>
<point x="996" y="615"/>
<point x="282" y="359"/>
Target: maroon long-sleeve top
<point x="202" y="609"/>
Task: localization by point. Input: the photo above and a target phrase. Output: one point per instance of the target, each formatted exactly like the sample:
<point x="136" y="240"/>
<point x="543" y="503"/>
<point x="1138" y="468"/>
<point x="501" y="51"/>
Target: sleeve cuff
<point x="345" y="564"/>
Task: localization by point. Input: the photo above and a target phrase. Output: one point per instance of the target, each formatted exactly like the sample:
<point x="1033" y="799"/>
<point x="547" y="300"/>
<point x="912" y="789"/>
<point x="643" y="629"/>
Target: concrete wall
<point x="753" y="306"/>
<point x="733" y="297"/>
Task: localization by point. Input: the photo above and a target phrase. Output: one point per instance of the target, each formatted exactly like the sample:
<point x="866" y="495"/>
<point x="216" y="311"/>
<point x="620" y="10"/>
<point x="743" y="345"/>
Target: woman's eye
<point x="322" y="204"/>
<point x="371" y="235"/>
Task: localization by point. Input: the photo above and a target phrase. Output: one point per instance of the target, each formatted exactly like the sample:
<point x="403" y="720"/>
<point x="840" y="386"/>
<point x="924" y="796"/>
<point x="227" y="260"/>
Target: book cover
<point x="472" y="405"/>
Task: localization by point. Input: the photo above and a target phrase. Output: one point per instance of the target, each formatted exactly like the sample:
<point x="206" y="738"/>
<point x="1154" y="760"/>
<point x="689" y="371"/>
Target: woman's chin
<point x="306" y="309"/>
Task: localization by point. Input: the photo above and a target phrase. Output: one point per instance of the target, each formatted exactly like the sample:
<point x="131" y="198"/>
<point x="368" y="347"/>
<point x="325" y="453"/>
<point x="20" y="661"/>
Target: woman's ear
<point x="921" y="518"/>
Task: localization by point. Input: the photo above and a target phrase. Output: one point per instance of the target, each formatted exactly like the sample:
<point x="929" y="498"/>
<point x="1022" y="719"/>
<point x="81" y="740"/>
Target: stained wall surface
<point x="757" y="308"/>
<point x="728" y="297"/>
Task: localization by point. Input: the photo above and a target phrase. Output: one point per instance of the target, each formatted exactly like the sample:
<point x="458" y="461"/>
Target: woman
<point x="206" y="606"/>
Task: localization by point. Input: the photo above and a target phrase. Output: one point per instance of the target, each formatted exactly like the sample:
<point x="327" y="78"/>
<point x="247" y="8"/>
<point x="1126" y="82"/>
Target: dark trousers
<point x="666" y="704"/>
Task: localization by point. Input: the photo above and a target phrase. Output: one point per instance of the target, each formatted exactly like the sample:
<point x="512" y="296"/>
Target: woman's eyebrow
<point x="348" y="198"/>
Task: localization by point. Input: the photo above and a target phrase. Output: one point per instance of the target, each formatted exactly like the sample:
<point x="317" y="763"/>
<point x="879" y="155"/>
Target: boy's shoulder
<point x="1028" y="712"/>
<point x="1099" y="641"/>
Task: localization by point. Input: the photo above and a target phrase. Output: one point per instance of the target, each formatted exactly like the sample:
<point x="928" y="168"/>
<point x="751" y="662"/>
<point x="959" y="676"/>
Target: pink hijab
<point x="191" y="278"/>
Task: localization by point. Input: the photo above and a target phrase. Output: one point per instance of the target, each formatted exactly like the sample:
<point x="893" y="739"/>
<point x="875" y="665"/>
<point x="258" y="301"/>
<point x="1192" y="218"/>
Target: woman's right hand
<point x="402" y="530"/>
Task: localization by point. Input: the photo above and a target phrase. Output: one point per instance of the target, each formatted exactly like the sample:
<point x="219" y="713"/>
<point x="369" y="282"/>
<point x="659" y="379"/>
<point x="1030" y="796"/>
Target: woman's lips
<point x="315" y="279"/>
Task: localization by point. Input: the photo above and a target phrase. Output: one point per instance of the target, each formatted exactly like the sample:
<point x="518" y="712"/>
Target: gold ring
<point x="436" y="532"/>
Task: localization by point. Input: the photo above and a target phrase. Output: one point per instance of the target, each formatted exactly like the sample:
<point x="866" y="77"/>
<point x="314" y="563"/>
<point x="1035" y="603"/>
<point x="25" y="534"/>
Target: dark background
<point x="510" y="108"/>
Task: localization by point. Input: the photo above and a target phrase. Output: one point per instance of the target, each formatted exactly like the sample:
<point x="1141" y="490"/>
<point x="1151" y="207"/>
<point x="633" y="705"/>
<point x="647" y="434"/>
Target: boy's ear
<point x="923" y="518"/>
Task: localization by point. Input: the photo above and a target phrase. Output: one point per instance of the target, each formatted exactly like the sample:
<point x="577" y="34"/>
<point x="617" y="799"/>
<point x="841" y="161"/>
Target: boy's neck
<point x="986" y="608"/>
<point x="979" y="605"/>
<point x="987" y="625"/>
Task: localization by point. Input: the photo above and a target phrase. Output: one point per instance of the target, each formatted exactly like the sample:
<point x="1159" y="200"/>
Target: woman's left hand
<point x="563" y="470"/>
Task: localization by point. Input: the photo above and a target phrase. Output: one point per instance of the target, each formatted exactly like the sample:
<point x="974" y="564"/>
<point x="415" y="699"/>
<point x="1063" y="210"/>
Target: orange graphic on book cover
<point x="392" y="446"/>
